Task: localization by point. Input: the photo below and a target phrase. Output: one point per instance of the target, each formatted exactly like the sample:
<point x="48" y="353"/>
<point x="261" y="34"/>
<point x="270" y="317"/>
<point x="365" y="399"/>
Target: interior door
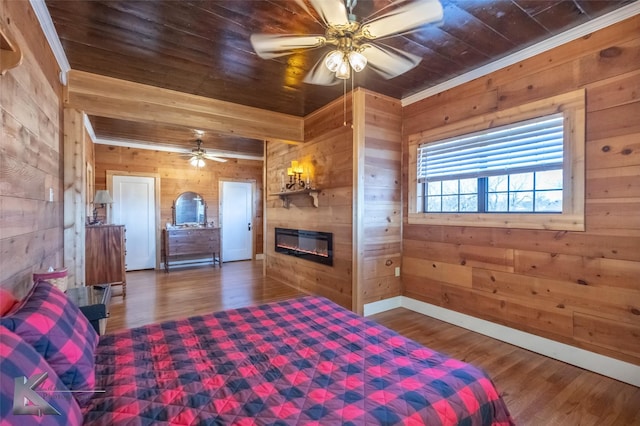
<point x="236" y="221"/>
<point x="134" y="207"/>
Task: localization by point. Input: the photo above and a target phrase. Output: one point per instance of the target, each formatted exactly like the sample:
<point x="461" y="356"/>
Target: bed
<point x="302" y="361"/>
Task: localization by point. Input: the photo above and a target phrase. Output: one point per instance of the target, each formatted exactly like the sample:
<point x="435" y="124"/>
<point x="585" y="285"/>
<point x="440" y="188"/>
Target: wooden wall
<point x="31" y="227"/>
<point x="356" y="158"/>
<point x="329" y="151"/>
<point x="380" y="219"/>
<point x="580" y="288"/>
<point x="178" y="176"/>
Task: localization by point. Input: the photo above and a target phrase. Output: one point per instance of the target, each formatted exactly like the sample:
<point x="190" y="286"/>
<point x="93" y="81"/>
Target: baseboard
<point x="382" y="305"/>
<point x="607" y="366"/>
<point x="260" y="256"/>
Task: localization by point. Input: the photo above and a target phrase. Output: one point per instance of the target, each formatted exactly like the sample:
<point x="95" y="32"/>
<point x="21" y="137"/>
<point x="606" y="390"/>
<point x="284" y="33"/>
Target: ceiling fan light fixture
<point x="196" y="162"/>
<point x="333" y="60"/>
<point x="357" y="61"/>
<point x="344" y="70"/>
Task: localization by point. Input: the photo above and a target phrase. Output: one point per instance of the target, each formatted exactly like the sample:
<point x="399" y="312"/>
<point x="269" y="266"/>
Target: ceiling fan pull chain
<point x="344" y="102"/>
<point x="353" y="77"/>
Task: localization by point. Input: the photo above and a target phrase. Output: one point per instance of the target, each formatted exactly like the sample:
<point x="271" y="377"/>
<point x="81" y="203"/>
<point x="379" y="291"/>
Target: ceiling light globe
<point x="197" y="162"/>
<point x="333" y="60"/>
<point x="357" y="61"/>
<point x="344" y="71"/>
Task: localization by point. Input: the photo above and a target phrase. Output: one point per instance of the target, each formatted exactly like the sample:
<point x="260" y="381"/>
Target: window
<point x="522" y="167"/>
<point x="512" y="168"/>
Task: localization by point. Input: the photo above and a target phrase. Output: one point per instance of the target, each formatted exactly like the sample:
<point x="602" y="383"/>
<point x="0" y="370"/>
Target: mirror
<point x="189" y="209"/>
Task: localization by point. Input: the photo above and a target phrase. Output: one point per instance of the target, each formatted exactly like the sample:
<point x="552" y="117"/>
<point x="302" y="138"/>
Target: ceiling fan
<point x="356" y="44"/>
<point x="198" y="154"/>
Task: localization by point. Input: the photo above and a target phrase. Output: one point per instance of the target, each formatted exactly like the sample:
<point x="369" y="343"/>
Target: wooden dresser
<point x="190" y="243"/>
<point x="105" y="255"/>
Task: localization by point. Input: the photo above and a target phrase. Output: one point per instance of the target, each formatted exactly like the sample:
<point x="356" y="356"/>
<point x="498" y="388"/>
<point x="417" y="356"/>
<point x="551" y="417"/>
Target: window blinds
<point x="525" y="146"/>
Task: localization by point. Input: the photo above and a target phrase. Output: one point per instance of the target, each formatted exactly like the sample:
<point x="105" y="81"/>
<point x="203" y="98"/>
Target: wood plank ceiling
<point x="203" y="48"/>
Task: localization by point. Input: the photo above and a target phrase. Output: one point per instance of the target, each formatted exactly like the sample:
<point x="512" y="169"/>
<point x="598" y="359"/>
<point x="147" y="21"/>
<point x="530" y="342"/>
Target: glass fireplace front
<point x="310" y="245"/>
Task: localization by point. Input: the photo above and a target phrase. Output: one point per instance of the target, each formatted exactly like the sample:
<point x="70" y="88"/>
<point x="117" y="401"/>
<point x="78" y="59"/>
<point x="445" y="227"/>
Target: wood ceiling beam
<point x="110" y="97"/>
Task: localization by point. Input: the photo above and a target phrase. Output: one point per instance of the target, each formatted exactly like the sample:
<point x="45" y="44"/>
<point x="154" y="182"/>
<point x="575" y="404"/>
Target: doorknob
<point x="249" y="226"/>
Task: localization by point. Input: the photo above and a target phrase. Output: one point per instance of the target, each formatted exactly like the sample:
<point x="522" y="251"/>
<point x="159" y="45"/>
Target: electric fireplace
<point x="310" y="245"/>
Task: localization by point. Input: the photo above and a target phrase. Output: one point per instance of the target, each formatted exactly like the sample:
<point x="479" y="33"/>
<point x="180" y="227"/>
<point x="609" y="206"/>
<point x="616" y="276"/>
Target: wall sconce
<point x="103" y="198"/>
<point x="295" y="177"/>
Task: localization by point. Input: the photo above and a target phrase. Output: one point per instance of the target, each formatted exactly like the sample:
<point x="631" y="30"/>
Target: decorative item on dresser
<point x="189" y="209"/>
<point x="102" y="198"/>
<point x="189" y="242"/>
<point x="105" y="256"/>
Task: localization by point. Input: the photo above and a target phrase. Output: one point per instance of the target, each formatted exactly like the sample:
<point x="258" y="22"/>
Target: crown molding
<point x="599" y="23"/>
<point x="46" y="23"/>
<point x="167" y="148"/>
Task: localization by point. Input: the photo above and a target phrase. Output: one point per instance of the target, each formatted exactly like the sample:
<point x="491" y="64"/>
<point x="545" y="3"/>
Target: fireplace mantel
<point x="285" y="196"/>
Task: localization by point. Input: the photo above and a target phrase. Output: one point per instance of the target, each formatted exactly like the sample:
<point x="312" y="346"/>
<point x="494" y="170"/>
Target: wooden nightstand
<point x="93" y="302"/>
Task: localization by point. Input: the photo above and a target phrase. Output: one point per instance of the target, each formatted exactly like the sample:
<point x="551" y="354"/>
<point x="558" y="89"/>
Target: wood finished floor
<point x="538" y="390"/>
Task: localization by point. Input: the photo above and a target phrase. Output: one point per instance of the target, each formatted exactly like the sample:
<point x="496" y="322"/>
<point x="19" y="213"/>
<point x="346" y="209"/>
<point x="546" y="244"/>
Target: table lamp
<point x="103" y="198"/>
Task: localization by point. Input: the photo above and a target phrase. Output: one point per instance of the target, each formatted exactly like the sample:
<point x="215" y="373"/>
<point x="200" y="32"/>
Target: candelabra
<point x="295" y="182"/>
<point x="295" y="177"/>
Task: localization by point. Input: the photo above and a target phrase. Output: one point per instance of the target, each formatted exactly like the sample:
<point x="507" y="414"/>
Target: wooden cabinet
<point x="105" y="256"/>
<point x="189" y="243"/>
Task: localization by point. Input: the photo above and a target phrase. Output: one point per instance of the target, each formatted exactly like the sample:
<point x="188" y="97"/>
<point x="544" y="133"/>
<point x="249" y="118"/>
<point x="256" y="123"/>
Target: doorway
<point x="236" y="217"/>
<point x="134" y="206"/>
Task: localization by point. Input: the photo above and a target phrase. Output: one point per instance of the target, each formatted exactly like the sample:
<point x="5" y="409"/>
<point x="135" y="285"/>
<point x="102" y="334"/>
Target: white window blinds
<point x="529" y="145"/>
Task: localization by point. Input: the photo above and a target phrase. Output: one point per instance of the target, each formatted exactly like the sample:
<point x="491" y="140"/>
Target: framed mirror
<point x="189" y="209"/>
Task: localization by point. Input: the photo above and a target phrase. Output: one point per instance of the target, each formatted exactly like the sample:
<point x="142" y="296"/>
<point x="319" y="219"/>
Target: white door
<point x="134" y="207"/>
<point x="236" y="221"/>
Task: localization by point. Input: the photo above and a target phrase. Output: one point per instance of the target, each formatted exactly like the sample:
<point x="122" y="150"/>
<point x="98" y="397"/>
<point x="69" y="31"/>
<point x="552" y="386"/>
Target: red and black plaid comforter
<point x="303" y="361"/>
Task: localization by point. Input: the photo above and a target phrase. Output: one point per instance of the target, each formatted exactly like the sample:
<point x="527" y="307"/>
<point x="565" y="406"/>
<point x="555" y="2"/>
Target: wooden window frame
<point x="572" y="106"/>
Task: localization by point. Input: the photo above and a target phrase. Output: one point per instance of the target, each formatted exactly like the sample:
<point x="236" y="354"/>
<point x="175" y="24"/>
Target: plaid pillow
<point x="56" y="328"/>
<point x="19" y="359"/>
<point x="7" y="301"/>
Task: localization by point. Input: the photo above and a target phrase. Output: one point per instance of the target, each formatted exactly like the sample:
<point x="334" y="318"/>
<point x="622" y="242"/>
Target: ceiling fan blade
<point x="332" y="12"/>
<point x="213" y="158"/>
<point x="388" y="61"/>
<point x="303" y="5"/>
<point x="320" y="75"/>
<point x="403" y="19"/>
<point x="269" y="46"/>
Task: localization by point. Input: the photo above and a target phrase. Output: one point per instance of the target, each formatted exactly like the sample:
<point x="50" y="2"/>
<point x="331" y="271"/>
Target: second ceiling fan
<point x="355" y="44"/>
<point x="198" y="154"/>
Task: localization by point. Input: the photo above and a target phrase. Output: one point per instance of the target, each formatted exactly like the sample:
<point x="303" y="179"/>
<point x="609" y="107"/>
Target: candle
<point x="290" y="171"/>
<point x="294" y="166"/>
<point x="281" y="180"/>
